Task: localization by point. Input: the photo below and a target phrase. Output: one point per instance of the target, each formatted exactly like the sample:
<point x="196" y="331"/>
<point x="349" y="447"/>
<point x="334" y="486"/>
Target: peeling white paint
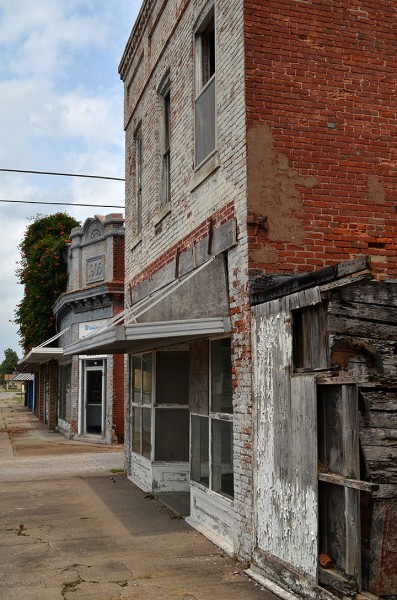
<point x="286" y="495"/>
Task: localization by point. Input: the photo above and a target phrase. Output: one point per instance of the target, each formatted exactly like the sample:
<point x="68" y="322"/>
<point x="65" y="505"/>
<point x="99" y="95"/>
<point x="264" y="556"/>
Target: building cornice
<point x="69" y="300"/>
<point x="135" y="37"/>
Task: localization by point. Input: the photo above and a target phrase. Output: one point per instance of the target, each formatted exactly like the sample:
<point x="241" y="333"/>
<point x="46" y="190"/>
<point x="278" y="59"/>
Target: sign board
<point x="90" y="327"/>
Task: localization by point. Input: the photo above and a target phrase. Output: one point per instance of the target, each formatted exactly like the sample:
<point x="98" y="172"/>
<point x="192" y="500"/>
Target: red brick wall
<point x="118" y="395"/>
<point x="218" y="218"/>
<point x="118" y="258"/>
<point x="321" y="131"/>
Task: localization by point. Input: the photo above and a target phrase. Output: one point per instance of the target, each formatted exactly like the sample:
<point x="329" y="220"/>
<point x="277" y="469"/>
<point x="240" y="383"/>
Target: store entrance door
<point x="94" y="397"/>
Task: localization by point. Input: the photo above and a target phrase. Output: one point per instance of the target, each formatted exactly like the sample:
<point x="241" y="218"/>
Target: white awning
<point x="41" y="354"/>
<point x="138" y="337"/>
<point x="173" y="316"/>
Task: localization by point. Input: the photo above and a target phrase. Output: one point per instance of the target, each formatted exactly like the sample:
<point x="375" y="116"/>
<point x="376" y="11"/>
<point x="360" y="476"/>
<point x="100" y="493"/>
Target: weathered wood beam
<point x="363" y="486"/>
<point x="269" y="287"/>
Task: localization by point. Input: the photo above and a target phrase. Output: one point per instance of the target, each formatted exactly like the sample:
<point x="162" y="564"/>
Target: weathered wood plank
<point x="266" y="290"/>
<point x="360" y="328"/>
<point x="287" y="577"/>
<point x="377" y="436"/>
<point x="355" y="484"/>
<point x="380" y="399"/>
<point x="349" y="267"/>
<point x="267" y="287"/>
<point x="379" y="420"/>
<point x="338" y="581"/>
<point x="370" y="292"/>
<point x="385" y="491"/>
<point x="363" y="310"/>
<point x="353" y="533"/>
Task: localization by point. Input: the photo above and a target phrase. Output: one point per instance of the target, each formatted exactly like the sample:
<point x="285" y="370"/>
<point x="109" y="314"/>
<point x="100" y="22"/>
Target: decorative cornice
<point x="84" y="299"/>
<point x="135" y="37"/>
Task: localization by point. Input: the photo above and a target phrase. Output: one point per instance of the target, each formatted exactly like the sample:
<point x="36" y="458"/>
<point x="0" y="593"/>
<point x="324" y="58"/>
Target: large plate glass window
<point x="142" y="386"/>
<point x="212" y="430"/>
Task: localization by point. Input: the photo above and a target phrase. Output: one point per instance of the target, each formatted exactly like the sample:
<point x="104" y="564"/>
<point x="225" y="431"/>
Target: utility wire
<point x="62" y="174"/>
<point x="63" y="203"/>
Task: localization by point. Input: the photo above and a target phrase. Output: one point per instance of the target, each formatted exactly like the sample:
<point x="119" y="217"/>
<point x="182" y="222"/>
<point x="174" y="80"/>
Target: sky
<point x="61" y="110"/>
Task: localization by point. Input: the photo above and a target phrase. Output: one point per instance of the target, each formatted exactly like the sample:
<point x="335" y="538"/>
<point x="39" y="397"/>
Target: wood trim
<point x="356" y="484"/>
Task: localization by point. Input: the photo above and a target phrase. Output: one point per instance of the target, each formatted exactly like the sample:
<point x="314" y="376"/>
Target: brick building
<point x="260" y="320"/>
<point x="83" y="396"/>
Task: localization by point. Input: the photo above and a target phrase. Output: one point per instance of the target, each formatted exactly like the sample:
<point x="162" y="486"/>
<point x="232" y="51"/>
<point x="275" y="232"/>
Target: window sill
<point x="136" y="241"/>
<point x="162" y="214"/>
<point x="205" y="171"/>
<point x="227" y="500"/>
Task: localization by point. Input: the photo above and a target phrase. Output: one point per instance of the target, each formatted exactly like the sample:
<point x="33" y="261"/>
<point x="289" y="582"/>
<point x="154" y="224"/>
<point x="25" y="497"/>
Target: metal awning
<point x="23" y="377"/>
<point x="41" y="354"/>
<point x="138" y="337"/>
<point x="206" y="316"/>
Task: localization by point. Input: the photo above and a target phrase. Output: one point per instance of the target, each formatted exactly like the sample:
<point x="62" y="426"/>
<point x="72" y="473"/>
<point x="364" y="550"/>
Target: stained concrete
<point x="70" y="529"/>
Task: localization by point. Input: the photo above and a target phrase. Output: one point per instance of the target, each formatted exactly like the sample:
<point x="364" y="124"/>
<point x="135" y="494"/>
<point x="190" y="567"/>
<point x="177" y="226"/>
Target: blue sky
<point x="61" y="109"/>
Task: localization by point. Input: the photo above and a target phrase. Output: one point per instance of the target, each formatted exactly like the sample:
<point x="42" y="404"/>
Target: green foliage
<point x="43" y="273"/>
<point x="9" y="364"/>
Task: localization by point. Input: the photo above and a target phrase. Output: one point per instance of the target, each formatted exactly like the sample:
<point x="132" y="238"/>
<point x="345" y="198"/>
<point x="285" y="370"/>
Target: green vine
<point x="43" y="273"/>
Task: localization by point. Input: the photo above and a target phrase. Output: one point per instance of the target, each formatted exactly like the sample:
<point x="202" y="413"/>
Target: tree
<point x="9" y="363"/>
<point x="43" y="273"/>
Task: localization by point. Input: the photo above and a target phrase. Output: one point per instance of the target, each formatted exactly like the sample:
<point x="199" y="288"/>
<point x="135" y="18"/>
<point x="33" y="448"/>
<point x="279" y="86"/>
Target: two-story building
<point x="260" y="321"/>
<point x="83" y="396"/>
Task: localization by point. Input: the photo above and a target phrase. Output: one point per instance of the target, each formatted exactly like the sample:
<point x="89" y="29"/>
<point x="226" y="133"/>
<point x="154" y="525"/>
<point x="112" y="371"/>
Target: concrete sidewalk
<point x="70" y="529"/>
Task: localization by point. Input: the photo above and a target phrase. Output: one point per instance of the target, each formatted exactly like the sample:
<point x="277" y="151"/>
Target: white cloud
<point x="61" y="107"/>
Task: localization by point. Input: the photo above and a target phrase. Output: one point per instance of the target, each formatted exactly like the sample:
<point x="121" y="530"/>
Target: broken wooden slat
<point x="363" y="486"/>
<point x="338" y="581"/>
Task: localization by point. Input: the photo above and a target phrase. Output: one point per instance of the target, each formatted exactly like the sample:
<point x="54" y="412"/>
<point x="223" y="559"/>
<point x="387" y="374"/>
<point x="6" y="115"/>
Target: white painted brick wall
<point x="172" y="50"/>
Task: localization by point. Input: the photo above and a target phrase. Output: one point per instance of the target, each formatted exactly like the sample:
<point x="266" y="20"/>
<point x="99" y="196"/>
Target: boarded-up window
<point x="339" y="485"/>
<point x="310" y="337"/>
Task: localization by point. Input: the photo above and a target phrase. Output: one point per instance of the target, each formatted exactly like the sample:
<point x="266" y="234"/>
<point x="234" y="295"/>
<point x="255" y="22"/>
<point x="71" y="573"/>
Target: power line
<point x="63" y="203"/>
<point x="62" y="174"/>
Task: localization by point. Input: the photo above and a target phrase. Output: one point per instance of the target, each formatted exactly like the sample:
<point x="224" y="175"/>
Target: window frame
<point x="138" y="179"/>
<point x="64" y="390"/>
<point x="215" y="419"/>
<point x="153" y="406"/>
<point x="164" y="94"/>
<point x="141" y="405"/>
<point x="204" y="78"/>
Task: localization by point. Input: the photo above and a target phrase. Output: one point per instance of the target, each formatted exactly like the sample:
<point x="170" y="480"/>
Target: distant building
<point x="10" y="383"/>
<point x="83" y="397"/>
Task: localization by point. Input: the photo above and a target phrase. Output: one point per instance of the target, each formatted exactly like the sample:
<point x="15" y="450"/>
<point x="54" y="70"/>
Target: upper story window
<point x="165" y="135"/>
<point x="205" y="65"/>
<point x="138" y="179"/>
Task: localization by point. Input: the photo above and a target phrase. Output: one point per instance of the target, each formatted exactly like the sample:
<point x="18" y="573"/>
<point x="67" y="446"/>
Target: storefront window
<point x="222" y="457"/>
<point x="212" y="433"/>
<point x="200" y="450"/>
<point x="172" y="406"/>
<point x="64" y="399"/>
<point x="221" y="376"/>
<point x="141" y="384"/>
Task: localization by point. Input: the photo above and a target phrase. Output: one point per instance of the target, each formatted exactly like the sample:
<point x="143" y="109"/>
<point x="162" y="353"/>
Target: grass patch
<point x="116" y="470"/>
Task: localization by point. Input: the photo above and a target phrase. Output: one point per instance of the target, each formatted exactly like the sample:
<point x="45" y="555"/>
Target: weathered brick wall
<point x="322" y="123"/>
<point x="101" y="236"/>
<point x="118" y="396"/>
<point x="74" y="393"/>
<point x="166" y="46"/>
<point x="53" y="394"/>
